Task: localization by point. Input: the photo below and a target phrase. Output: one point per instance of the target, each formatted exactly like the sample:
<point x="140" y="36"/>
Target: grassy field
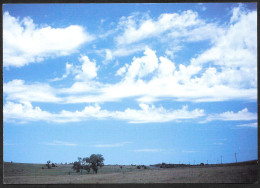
<point x="19" y="173"/>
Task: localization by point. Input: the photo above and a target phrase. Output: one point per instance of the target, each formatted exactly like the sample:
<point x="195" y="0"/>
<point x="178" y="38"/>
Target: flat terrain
<point x="20" y="173"/>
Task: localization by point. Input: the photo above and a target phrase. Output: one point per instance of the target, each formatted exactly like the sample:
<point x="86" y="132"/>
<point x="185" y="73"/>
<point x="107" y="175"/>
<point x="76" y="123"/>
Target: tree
<point x="87" y="163"/>
<point x="48" y="164"/>
<point x="96" y="160"/>
<point x="76" y="166"/>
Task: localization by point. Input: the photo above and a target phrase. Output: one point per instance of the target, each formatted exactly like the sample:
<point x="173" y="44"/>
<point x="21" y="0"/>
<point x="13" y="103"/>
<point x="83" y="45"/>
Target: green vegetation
<point x="92" y="162"/>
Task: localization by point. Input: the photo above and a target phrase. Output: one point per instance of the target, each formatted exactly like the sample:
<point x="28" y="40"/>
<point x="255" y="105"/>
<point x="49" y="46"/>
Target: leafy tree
<point x="87" y="163"/>
<point x="96" y="160"/>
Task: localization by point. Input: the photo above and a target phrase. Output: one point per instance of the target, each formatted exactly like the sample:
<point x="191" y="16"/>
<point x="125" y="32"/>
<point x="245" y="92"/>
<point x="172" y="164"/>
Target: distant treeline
<point x="164" y="165"/>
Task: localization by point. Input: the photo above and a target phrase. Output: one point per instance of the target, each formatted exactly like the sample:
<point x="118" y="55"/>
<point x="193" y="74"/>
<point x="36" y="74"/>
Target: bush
<point x="138" y="167"/>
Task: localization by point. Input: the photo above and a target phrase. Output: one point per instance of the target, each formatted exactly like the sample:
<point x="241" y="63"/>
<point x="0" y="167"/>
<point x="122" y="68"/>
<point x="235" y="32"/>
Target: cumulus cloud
<point x="226" y="71"/>
<point x="24" y="112"/>
<point x="25" y="42"/>
<point x="148" y="78"/>
<point x="242" y="115"/>
<point x="235" y="52"/>
<point x="140" y="67"/>
<point x="37" y="92"/>
<point x="88" y="69"/>
<point x="147" y="114"/>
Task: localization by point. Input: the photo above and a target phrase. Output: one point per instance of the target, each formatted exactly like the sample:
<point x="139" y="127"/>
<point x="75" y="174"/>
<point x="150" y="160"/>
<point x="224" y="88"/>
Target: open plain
<point x="21" y="173"/>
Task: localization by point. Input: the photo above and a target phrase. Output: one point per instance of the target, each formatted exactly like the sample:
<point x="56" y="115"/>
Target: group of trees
<point x="88" y="163"/>
<point x="49" y="165"/>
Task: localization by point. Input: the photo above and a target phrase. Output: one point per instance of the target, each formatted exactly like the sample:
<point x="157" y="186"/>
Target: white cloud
<point x="140" y="67"/>
<point x="109" y="55"/>
<point x="242" y="115"/>
<point x="80" y="87"/>
<point x="60" y="143"/>
<point x="122" y="70"/>
<point x="84" y="72"/>
<point x="88" y="69"/>
<point x="148" y="150"/>
<point x="69" y="69"/>
<point x="147" y="114"/>
<point x="235" y="52"/>
<point x="120" y="144"/>
<point x="227" y="71"/>
<point x="189" y="151"/>
<point x="24" y="112"/>
<point x="181" y="83"/>
<point x="25" y="42"/>
<point x="166" y="67"/>
<point x="252" y="125"/>
<point x="37" y="92"/>
<point x="147" y="27"/>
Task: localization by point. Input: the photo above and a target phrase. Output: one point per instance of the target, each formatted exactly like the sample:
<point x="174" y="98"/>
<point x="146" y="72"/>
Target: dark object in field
<point x="121" y="167"/>
<point x="138" y="167"/>
<point x="48" y="164"/>
<point x="145" y="167"/>
<point x="53" y="165"/>
<point x="201" y="164"/>
<point x="42" y="167"/>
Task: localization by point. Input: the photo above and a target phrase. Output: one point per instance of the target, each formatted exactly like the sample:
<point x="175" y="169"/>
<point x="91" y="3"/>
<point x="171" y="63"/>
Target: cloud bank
<point x="25" y="42"/>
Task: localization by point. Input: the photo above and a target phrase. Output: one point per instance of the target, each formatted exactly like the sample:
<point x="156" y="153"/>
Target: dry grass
<point x="113" y="174"/>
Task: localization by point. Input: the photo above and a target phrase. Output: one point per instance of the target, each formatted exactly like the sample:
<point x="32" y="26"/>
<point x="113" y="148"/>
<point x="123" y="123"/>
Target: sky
<point x="137" y="83"/>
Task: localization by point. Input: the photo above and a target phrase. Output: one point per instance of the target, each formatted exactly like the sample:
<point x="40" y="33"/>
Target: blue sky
<point x="138" y="83"/>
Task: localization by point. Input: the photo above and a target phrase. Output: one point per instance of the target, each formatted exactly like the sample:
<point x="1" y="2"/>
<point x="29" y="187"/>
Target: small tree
<point x="48" y="164"/>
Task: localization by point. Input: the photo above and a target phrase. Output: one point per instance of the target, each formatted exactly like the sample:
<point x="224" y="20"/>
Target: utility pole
<point x="221" y="159"/>
<point x="236" y="157"/>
